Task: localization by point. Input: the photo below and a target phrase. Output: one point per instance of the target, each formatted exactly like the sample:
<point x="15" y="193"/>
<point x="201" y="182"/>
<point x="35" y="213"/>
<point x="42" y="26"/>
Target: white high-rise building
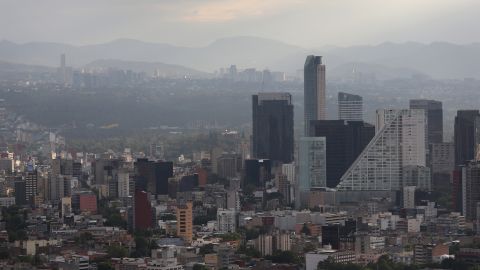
<point x="312" y="163"/>
<point x="123" y="184"/>
<point x="289" y="170"/>
<point x="226" y="220"/>
<point x="409" y="197"/>
<point x="350" y="107"/>
<point x="399" y="143"/>
<point x="312" y="167"/>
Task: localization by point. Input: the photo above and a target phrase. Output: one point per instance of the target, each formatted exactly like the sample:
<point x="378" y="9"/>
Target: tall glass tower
<point x="314" y="90"/>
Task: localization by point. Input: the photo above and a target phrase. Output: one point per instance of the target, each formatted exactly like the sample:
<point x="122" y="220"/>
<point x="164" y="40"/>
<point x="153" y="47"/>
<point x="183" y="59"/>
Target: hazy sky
<point x="308" y="23"/>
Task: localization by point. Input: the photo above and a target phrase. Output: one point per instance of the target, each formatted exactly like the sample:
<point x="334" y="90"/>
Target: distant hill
<point x="14" y="67"/>
<point x="438" y="60"/>
<point x="166" y="70"/>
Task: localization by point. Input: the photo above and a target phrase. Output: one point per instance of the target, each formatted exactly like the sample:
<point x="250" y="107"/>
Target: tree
<point x="206" y="249"/>
<point x="231" y="236"/>
<point x="116" y="251"/>
<point x="199" y="267"/>
<point x="105" y="266"/>
<point x="284" y="257"/>
<point x="141" y="247"/>
<point x="15" y="223"/>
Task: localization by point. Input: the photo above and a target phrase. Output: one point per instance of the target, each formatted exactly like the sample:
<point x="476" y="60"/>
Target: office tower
<point x="340" y="236"/>
<point x="66" y="206"/>
<point x="409" y="197"/>
<point x="7" y="165"/>
<point x="345" y="140"/>
<point x="289" y="171"/>
<point x="233" y="200"/>
<point x="350" y="107"/>
<point x="59" y="186"/>
<point x="442" y="161"/>
<point x="142" y="214"/>
<point x="283" y="187"/>
<point x="418" y="176"/>
<point x="153" y="176"/>
<point x="434" y="115"/>
<point x="226" y="220"/>
<point x="20" y="192"/>
<point x="272" y="134"/>
<point x="229" y="165"/>
<point x="399" y="142"/>
<point x="62" y="166"/>
<point x="312" y="163"/>
<point x="471" y="189"/>
<point x="31" y="185"/>
<point x="256" y="173"/>
<point x="314" y="91"/>
<point x="124" y="184"/>
<point x="185" y="221"/>
<point x="187" y="183"/>
<point x="466" y="135"/>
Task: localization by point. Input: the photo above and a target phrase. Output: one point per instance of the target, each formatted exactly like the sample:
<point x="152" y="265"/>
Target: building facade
<point x="312" y="166"/>
<point x="350" y="107"/>
<point x="466" y="135"/>
<point x="434" y="115"/>
<point x="272" y="132"/>
<point x="314" y="91"/>
<point x="345" y="140"/>
<point x="399" y="142"/>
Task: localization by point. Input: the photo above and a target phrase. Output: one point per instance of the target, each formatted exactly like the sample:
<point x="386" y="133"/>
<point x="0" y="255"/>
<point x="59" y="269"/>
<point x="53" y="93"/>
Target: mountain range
<point x="386" y="60"/>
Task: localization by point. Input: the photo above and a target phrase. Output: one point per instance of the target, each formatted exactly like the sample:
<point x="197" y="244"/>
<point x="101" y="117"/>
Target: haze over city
<point x="239" y="134"/>
<point x="193" y="23"/>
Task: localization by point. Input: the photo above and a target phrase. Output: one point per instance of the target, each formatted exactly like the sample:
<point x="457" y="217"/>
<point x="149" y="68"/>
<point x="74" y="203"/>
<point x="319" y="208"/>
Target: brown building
<point x="185" y="221"/>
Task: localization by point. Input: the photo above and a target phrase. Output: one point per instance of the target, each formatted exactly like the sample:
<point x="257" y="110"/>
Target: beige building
<point x="185" y="221"/>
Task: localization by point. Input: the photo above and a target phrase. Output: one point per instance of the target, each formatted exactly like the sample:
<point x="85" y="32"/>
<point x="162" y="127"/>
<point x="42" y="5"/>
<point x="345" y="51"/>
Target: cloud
<point x="229" y="10"/>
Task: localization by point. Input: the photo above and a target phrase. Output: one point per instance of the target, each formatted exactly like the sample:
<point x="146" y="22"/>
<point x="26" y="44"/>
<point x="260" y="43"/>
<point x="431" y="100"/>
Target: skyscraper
<point x="345" y="140"/>
<point x="471" y="190"/>
<point x="31" y="178"/>
<point x="442" y="162"/>
<point x="256" y="173"/>
<point x="314" y="90"/>
<point x="398" y="144"/>
<point x="272" y="136"/>
<point x="434" y="114"/>
<point x="312" y="172"/>
<point x="350" y="107"/>
<point x="142" y="215"/>
<point x="153" y="176"/>
<point x="466" y="135"/>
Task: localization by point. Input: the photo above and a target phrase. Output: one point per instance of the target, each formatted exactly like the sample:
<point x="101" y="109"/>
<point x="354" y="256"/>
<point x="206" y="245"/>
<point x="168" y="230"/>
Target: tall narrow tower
<point x="314" y="90"/>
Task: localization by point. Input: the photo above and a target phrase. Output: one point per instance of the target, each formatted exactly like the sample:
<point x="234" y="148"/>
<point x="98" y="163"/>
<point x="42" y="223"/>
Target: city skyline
<point x="248" y="153"/>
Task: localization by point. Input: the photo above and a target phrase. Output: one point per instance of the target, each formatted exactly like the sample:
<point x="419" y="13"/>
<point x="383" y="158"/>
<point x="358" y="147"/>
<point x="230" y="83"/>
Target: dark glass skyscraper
<point x="434" y="115"/>
<point x="256" y="172"/>
<point x="314" y="90"/>
<point x="153" y="176"/>
<point x="345" y="140"/>
<point x="466" y="135"/>
<point x="272" y="135"/>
